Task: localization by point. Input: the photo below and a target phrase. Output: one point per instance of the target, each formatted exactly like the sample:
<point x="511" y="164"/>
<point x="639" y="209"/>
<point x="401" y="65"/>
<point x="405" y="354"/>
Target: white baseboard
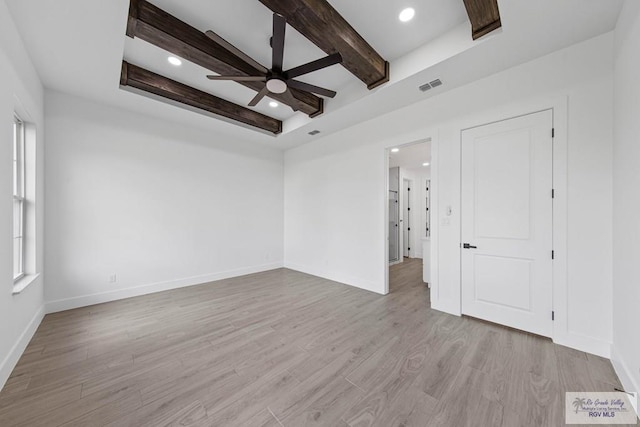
<point x="452" y="309"/>
<point x="576" y="342"/>
<point x="345" y="280"/>
<point x="99" y="298"/>
<point x="629" y="382"/>
<point x="14" y="355"/>
<point x="586" y="344"/>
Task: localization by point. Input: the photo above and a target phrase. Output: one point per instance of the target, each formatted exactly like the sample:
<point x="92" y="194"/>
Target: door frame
<point x="548" y="114"/>
<point x="559" y="106"/>
<point x="387" y="152"/>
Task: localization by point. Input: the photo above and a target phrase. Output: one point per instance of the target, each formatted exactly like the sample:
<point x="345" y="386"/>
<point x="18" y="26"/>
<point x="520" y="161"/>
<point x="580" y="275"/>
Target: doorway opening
<point x="408" y="216"/>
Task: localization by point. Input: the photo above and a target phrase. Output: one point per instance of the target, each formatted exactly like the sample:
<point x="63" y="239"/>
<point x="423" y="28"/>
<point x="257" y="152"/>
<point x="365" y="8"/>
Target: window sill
<point x="24" y="282"/>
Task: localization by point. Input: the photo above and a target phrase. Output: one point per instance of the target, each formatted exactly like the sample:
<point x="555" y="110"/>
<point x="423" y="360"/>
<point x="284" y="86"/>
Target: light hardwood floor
<point x="283" y="348"/>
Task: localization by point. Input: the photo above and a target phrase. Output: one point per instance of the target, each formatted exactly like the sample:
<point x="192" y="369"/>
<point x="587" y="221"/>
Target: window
<point x="18" y="198"/>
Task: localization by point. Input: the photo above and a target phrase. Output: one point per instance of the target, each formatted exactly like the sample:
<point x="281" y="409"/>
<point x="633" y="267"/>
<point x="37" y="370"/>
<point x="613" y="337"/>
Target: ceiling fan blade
<point x="237" y="52"/>
<point x="327" y="61"/>
<point x="259" y="97"/>
<point x="277" y="41"/>
<point x="239" y="78"/>
<point x="296" y="84"/>
<point x="291" y="100"/>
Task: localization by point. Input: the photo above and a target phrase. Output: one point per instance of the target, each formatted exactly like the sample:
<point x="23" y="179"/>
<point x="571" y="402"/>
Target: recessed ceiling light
<point x="174" y="61"/>
<point x="425" y="164"/>
<point x="407" y="14"/>
<point x="273" y="104"/>
<point x="395" y="150"/>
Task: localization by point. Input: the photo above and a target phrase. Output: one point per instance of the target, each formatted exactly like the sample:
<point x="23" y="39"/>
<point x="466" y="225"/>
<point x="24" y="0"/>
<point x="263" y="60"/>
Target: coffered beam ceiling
<point x="319" y="22"/>
<point x="484" y="16"/>
<point x="149" y="82"/>
<point x="167" y="32"/>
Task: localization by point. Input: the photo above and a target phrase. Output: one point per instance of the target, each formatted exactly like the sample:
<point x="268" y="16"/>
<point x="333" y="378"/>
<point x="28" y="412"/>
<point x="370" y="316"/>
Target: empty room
<point x="319" y="212"/>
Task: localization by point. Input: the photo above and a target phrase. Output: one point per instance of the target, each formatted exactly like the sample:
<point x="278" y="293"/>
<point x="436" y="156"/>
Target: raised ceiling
<point x="318" y="21"/>
<point x="77" y="47"/>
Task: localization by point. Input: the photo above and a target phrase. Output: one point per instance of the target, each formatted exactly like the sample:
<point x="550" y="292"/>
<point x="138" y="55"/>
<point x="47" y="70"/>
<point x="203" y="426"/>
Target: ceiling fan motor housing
<point x="276" y="85"/>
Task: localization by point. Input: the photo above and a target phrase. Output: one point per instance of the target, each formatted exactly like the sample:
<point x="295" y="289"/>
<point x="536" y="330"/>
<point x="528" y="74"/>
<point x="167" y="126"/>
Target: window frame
<point x="19" y="176"/>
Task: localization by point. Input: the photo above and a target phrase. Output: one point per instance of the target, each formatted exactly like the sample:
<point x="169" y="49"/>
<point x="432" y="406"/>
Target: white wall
<point x="626" y="199"/>
<point x="20" y="91"/>
<point x="157" y="204"/>
<point x="334" y="187"/>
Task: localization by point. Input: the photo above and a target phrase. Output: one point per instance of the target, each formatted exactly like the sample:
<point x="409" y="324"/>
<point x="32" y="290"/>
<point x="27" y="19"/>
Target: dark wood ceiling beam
<point x="167" y="32"/>
<point x="319" y="22"/>
<point x="147" y="81"/>
<point x="484" y="16"/>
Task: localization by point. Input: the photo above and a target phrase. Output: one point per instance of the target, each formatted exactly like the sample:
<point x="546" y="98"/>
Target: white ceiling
<point x="248" y="26"/>
<point x="411" y="156"/>
<point x="77" y="47"/>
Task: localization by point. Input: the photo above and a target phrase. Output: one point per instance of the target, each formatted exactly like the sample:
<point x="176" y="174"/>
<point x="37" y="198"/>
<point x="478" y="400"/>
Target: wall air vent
<point x="314" y="132"/>
<point x="435" y="83"/>
<point x="425" y="87"/>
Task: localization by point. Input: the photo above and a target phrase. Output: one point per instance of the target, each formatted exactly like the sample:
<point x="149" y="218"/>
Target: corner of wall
<point x="339" y="278"/>
<point x="19" y="347"/>
<point x="629" y="381"/>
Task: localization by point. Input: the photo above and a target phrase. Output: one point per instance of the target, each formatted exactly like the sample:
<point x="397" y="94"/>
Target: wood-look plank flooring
<point x="283" y="348"/>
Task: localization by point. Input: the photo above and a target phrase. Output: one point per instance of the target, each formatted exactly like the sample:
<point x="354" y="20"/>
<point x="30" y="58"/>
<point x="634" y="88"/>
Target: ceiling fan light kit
<point x="276" y="86"/>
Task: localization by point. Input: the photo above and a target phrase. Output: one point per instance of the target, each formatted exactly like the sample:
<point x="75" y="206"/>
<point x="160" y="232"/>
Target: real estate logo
<point x="601" y="408"/>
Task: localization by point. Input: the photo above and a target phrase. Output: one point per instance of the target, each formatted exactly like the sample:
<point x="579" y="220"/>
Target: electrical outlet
<point x="113" y="278"/>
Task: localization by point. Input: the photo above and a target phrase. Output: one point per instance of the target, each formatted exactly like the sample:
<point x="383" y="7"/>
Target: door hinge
<point x="553" y="132"/>
<point x="408" y="189"/>
<point x="408" y="249"/>
<point x="553" y="193"/>
<point x="408" y="228"/>
<point x="408" y="209"/>
<point x="553" y="254"/>
<point x="553" y="315"/>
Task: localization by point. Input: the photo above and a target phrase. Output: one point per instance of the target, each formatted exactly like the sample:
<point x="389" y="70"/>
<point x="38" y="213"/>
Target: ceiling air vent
<point x="314" y="132"/>
<point x="425" y="87"/>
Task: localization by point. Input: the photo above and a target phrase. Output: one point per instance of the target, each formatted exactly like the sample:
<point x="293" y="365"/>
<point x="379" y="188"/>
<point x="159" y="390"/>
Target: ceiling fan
<point x="276" y="80"/>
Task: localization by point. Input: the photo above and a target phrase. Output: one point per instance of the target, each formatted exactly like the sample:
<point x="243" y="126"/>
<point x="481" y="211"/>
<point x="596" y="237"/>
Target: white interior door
<point x="406" y="217"/>
<point x="507" y="222"/>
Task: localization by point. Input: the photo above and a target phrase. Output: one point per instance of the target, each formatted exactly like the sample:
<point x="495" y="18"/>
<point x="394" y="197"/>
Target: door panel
<point x="503" y="180"/>
<point x="507" y="216"/>
<point x="503" y="281"/>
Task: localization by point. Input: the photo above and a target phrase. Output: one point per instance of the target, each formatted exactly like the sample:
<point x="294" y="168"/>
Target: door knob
<point x="468" y="246"/>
